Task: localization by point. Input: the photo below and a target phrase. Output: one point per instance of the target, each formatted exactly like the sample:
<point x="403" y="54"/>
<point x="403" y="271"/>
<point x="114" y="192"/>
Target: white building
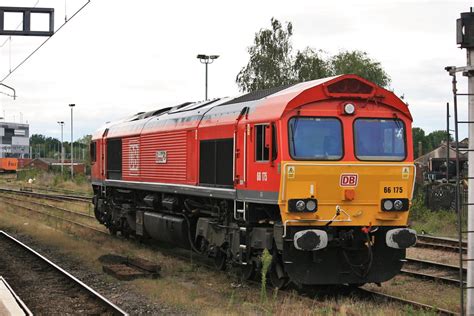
<point x="14" y="140"/>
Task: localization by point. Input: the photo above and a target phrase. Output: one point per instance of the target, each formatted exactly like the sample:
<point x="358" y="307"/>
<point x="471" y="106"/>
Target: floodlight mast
<point x="72" y="142"/>
<point x="206" y="59"/>
<point x="61" y="123"/>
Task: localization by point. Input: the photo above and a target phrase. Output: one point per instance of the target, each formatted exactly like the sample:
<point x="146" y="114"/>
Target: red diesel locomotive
<point x="320" y="173"/>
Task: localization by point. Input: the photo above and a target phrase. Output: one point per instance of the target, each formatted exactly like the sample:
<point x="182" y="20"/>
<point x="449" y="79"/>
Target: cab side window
<point x="93" y="151"/>
<point x="262" y="143"/>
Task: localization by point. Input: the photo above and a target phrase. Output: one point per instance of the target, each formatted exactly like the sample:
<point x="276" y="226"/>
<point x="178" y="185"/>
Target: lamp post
<point x="61" y="123"/>
<point x="206" y="59"/>
<point x="72" y="142"/>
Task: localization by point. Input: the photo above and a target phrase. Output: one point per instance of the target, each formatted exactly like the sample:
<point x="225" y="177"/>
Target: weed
<point x="266" y="262"/>
<point x="231" y="300"/>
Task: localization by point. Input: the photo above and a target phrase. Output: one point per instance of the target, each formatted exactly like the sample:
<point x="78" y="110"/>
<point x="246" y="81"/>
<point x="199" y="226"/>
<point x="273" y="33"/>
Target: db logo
<point x="349" y="180"/>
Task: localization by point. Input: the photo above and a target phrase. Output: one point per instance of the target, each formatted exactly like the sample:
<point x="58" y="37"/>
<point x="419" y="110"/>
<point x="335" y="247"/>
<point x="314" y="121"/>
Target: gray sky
<point x="116" y="58"/>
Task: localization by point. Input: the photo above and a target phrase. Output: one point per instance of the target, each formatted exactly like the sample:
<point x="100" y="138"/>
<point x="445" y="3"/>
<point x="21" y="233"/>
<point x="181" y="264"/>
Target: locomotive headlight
<point x="300" y="206"/>
<point x="388" y="205"/>
<point x="398" y="205"/>
<point x="349" y="108"/>
<point x="311" y="205"/>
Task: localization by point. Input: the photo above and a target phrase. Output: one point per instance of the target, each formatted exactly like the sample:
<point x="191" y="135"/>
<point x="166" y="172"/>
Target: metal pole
<point x="206" y="80"/>
<point x="470" y="213"/>
<point x="448" y="152"/>
<point x="61" y="153"/>
<point x="206" y="59"/>
<point x="72" y="142"/>
<point x="458" y="193"/>
<point x="62" y="149"/>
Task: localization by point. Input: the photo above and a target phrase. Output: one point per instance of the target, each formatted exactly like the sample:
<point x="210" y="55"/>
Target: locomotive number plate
<point x="393" y="189"/>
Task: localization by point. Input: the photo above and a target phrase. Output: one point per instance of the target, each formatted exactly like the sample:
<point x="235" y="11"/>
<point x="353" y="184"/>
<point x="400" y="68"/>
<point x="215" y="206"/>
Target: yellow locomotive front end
<point x="345" y="191"/>
<point x="346" y="194"/>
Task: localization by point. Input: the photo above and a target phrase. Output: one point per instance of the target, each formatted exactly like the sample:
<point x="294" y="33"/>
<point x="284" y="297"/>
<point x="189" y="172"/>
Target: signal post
<point x="465" y="38"/>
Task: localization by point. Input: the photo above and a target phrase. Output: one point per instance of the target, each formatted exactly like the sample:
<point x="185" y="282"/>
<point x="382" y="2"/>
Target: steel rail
<point x="109" y="305"/>
<point x="103" y="232"/>
<point x="50" y="206"/>
<point x="433" y="264"/>
<point x="444" y="240"/>
<point x="426" y="276"/>
<point x="439" y="246"/>
<point x="55" y="197"/>
<point x="425" y="264"/>
<point x="396" y="299"/>
<point x="18" y="300"/>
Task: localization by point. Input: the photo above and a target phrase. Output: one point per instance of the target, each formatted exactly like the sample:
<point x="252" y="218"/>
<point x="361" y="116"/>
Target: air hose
<point x="365" y="266"/>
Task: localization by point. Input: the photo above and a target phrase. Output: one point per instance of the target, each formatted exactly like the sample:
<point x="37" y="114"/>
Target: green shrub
<point x="439" y="223"/>
<point x="25" y="174"/>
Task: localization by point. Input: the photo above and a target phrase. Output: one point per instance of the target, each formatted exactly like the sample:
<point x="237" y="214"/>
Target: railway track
<point x="434" y="271"/>
<point x="47" y="288"/>
<point x="54" y="197"/>
<point x="440" y="243"/>
<point x="184" y="255"/>
<point x="43" y="214"/>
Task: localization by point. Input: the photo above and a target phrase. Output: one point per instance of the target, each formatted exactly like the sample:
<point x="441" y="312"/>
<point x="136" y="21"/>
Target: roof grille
<point x="350" y="86"/>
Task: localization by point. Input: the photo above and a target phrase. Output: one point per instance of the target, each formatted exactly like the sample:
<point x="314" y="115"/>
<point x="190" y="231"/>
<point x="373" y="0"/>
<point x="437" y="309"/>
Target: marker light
<point x="388" y="205"/>
<point x="349" y="108"/>
<point x="398" y="205"/>
<point x="310" y="205"/>
<point x="300" y="206"/>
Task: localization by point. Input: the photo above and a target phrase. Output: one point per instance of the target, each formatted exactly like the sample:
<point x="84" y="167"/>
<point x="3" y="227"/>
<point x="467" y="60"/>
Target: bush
<point x="439" y="223"/>
<point x="26" y="174"/>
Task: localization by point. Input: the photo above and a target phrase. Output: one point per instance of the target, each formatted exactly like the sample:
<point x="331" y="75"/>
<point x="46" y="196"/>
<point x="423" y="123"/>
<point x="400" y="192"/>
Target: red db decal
<point x="349" y="180"/>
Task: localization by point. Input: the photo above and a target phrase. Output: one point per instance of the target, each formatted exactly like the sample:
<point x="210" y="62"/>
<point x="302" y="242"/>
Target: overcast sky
<point x="116" y="58"/>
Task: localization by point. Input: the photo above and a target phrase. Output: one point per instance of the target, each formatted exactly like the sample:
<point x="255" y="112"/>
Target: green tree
<point x="272" y="64"/>
<point x="429" y="142"/>
<point x="359" y="63"/>
<point x="270" y="59"/>
<point x="435" y="138"/>
<point x="419" y="136"/>
<point x="309" y="65"/>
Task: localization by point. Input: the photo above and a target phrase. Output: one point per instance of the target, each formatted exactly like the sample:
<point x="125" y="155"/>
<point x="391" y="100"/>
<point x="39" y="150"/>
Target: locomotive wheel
<point x="277" y="276"/>
<point x="220" y="260"/>
<point x="248" y="271"/>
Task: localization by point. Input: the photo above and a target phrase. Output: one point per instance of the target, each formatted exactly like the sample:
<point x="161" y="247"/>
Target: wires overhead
<point x="66" y="20"/>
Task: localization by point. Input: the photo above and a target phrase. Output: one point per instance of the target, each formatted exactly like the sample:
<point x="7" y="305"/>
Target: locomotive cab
<point x="346" y="185"/>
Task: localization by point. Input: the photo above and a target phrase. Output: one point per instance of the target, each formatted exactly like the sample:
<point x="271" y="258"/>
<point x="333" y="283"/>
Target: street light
<point x="61" y="123"/>
<point x="206" y="59"/>
<point x="72" y="143"/>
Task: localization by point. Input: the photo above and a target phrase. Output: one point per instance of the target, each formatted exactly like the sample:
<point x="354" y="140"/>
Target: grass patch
<point x="439" y="223"/>
<point x="53" y="180"/>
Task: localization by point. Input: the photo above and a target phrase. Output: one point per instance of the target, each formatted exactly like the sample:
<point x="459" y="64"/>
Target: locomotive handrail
<point x="338" y="211"/>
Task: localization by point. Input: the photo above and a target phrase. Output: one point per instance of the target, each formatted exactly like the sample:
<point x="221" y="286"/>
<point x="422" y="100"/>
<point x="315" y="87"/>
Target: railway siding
<point x="47" y="288"/>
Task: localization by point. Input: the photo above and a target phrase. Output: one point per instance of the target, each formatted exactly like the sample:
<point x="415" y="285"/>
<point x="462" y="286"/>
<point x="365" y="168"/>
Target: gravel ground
<point x="118" y="292"/>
